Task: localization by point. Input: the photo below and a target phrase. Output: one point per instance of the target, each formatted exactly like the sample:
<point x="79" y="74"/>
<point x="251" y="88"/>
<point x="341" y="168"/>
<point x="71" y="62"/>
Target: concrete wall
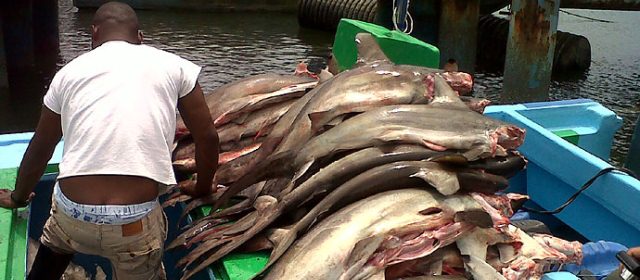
<point x="202" y="5"/>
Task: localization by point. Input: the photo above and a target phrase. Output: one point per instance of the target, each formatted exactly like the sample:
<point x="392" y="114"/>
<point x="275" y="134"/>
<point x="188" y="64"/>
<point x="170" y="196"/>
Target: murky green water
<point x="231" y="46"/>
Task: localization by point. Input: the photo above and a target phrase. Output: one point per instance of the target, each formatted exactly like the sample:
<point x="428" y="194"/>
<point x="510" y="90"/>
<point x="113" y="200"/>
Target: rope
<point x="582" y="189"/>
<point x="586" y="17"/>
<point x="408" y="21"/>
<point x="510" y="12"/>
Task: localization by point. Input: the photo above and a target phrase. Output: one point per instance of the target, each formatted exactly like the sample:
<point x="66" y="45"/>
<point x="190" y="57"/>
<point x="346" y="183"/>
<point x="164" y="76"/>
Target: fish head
<point x="409" y="243"/>
<point x="506" y="204"/>
<point x="302" y="70"/>
<point x="509" y="136"/>
<point x="516" y="201"/>
<point x="480" y="105"/>
<point x="459" y="81"/>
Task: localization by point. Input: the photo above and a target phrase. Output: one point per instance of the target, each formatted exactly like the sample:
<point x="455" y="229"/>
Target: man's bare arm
<point x="196" y="116"/>
<point x="41" y="148"/>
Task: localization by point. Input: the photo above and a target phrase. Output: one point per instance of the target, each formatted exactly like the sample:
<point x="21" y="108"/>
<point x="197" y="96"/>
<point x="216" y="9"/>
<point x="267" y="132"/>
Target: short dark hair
<point x="451" y="60"/>
<point x="117" y="15"/>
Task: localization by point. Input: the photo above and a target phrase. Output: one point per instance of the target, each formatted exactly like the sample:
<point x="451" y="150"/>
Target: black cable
<point x="586" y="17"/>
<point x="582" y="189"/>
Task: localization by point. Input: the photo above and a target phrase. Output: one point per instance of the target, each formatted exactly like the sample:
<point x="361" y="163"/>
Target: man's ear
<point x="140" y="36"/>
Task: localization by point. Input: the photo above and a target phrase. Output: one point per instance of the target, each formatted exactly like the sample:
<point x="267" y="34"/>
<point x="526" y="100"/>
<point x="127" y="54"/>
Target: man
<point x="116" y="107"/>
<point x="451" y="66"/>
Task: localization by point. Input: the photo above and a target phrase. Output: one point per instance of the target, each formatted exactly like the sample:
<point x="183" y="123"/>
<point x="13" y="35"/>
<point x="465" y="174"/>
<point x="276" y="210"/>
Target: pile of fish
<point x="379" y="172"/>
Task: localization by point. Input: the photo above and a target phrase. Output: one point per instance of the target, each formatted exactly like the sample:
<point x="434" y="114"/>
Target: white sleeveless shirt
<point x="118" y="110"/>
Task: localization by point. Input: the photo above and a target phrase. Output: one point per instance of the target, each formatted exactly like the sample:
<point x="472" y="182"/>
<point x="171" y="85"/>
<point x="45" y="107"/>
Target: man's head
<point x="115" y="21"/>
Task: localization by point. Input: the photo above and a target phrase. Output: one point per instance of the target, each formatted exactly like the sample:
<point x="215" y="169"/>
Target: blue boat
<point x="567" y="143"/>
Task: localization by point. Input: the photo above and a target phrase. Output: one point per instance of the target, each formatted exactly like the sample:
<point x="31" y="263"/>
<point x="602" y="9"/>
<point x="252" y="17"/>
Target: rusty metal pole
<point x="530" y="49"/>
<point x="458" y="34"/>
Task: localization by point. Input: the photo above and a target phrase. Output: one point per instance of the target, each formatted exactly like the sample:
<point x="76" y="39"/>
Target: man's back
<point x="118" y="106"/>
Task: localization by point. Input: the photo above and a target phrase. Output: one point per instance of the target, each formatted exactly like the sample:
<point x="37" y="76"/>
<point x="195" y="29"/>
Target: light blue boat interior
<point x="13" y="146"/>
<point x="556" y="169"/>
<point x="594" y="123"/>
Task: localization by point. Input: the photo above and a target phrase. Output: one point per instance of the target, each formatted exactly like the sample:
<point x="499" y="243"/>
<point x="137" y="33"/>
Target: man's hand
<point x="7" y="202"/>
<point x="196" y="191"/>
<point x="40" y="149"/>
<point x="635" y="253"/>
<point x="195" y="113"/>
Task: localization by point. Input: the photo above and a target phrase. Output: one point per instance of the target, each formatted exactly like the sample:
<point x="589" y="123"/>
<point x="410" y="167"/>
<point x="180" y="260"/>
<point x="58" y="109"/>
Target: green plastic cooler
<point x="401" y="48"/>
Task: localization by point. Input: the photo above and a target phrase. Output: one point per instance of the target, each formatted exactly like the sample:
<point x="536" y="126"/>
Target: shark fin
<point x="368" y="49"/>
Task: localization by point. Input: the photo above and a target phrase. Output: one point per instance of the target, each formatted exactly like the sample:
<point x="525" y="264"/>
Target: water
<point x="232" y="46"/>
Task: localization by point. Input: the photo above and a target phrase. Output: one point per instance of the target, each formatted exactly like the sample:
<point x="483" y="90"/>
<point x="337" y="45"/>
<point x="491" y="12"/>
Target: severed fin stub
<point x="368" y="49"/>
<point x="302" y="70"/>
